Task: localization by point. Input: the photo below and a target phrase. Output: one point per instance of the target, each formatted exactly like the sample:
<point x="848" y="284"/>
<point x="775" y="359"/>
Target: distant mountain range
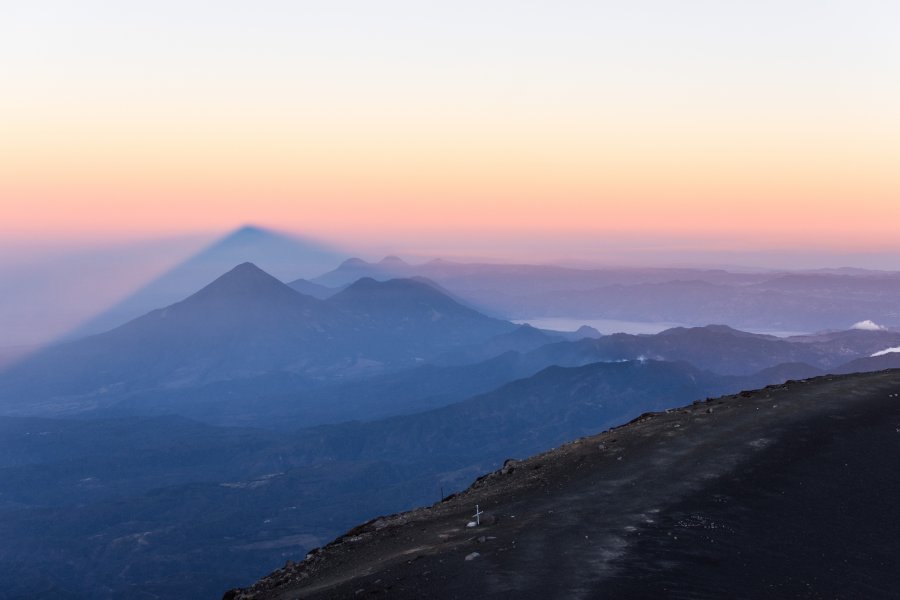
<point x="249" y="338"/>
<point x="245" y="324"/>
<point x="722" y="349"/>
<point x="769" y="301"/>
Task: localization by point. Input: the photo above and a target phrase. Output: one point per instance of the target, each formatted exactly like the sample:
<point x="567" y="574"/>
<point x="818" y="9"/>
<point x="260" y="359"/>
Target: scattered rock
<point x="472" y="556"/>
<point x="312" y="553"/>
<point x="509" y="465"/>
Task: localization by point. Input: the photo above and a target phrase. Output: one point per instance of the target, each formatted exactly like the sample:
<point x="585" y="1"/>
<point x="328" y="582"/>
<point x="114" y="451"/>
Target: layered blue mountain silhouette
<point x="284" y="256"/>
<point x="248" y="336"/>
<point x="246" y="324"/>
<point x="768" y="300"/>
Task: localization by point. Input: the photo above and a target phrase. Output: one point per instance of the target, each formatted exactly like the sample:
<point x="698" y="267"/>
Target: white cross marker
<point x="478" y="513"/>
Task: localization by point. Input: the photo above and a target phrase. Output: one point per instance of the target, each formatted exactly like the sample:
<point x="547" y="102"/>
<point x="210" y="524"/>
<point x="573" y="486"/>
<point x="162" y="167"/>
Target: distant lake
<point x="608" y="326"/>
<point x="604" y="326"/>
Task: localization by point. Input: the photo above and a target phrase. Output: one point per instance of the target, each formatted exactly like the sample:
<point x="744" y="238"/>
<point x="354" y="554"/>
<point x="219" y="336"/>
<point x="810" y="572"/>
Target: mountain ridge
<point x="787" y="301"/>
<point x="246" y="323"/>
<point x="636" y="511"/>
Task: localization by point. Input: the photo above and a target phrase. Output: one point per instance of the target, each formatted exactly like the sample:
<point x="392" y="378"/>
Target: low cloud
<point x="868" y="325"/>
<point x="886" y="351"/>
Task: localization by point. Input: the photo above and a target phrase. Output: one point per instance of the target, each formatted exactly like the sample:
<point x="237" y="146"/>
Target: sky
<point x="700" y="132"/>
<point x="725" y="126"/>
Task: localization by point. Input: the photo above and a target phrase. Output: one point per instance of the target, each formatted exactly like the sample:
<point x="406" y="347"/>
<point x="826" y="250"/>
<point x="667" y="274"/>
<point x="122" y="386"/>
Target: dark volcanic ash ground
<point x="792" y="491"/>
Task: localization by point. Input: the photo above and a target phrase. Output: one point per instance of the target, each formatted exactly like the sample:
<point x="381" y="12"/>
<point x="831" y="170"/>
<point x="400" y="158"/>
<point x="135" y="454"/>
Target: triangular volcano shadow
<point x="283" y="255"/>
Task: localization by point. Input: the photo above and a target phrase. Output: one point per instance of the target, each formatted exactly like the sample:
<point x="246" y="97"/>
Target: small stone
<point x="472" y="556"/>
<point x="709" y="410"/>
<point x="509" y="465"/>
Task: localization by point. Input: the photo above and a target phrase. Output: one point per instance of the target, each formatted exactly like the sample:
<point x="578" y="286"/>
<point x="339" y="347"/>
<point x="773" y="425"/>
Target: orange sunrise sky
<point x="736" y="125"/>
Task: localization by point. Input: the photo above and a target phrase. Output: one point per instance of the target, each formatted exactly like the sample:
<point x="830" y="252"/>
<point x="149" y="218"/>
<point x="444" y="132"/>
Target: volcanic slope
<point x="787" y="492"/>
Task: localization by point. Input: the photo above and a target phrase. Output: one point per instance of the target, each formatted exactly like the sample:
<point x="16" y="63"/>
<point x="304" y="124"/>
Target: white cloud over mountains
<point x="868" y="325"/>
<point x="886" y="351"/>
